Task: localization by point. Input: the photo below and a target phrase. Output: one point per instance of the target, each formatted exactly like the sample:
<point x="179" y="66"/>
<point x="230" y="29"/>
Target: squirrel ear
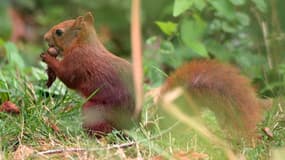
<point x="78" y="21"/>
<point x="89" y="18"/>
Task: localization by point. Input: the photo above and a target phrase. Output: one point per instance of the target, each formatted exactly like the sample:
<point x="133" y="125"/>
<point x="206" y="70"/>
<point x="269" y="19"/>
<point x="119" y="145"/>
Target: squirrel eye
<point x="58" y="32"/>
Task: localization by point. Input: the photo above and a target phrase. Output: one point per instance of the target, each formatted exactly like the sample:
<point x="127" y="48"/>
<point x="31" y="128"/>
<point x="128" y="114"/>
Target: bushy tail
<point x="223" y="89"/>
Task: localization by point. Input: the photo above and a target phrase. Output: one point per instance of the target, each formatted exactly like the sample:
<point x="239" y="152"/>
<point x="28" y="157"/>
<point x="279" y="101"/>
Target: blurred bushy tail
<point x="221" y="88"/>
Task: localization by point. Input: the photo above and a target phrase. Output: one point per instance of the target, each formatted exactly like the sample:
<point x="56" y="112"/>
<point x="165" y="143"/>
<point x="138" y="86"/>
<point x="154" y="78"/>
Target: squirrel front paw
<point x="46" y="57"/>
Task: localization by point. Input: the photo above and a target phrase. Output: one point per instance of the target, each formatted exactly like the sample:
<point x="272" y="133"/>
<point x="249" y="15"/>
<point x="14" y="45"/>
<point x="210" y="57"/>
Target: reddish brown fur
<point x="88" y="67"/>
<point x="223" y="90"/>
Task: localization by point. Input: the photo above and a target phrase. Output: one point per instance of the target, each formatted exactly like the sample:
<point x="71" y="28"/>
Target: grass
<point x="50" y="119"/>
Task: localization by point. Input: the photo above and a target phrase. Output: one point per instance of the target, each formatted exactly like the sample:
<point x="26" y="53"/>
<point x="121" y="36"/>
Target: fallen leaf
<point x="23" y="152"/>
<point x="268" y="132"/>
<point x="9" y="107"/>
<point x="53" y="126"/>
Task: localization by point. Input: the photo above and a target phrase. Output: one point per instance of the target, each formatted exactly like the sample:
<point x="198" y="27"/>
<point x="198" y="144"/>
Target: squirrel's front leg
<point x="52" y="63"/>
<point x="61" y="71"/>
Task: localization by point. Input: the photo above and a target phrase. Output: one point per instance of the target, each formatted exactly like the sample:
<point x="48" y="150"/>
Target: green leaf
<point x="191" y="32"/>
<point x="261" y="5"/>
<point x="13" y="55"/>
<point x="224" y="8"/>
<point x="168" y="28"/>
<point x="193" y="29"/>
<point x="199" y="48"/>
<point x="181" y="6"/>
<point x="200" y="4"/>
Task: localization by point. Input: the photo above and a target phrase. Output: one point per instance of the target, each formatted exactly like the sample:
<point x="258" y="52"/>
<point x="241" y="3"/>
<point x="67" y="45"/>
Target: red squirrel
<point x="106" y="80"/>
<point x="89" y="68"/>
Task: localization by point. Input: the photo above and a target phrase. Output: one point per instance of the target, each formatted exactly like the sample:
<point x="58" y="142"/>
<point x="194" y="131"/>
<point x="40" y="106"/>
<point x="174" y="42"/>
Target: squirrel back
<point x="223" y="90"/>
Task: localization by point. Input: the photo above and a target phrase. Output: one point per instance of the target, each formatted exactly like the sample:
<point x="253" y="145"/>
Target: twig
<point x="137" y="55"/>
<point x="123" y="145"/>
<point x="57" y="151"/>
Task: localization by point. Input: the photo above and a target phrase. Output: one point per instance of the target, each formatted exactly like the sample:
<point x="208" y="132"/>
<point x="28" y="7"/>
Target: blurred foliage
<point x="111" y="17"/>
<point x="248" y="33"/>
<point x="5" y="25"/>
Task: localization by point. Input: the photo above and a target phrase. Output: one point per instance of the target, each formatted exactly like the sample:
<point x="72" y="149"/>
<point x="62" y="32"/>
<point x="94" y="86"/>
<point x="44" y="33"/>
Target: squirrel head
<point x="70" y="33"/>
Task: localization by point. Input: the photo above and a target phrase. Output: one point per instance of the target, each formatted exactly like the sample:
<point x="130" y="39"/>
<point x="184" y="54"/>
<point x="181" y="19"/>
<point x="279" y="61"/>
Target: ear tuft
<point x="78" y="21"/>
<point x="88" y="17"/>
